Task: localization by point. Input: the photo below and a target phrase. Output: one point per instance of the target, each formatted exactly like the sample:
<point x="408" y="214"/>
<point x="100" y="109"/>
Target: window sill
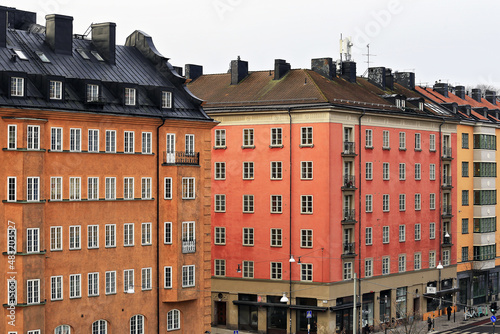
<point x="56" y="250"/>
<point x="369" y="147"/>
<point x="418" y="150"/>
<point x="276" y="146"/>
<point x="75" y="249"/>
<point x="248" y="212"/>
<point x="220" y="147"/>
<point x="24" y="202"/>
<point x="306" y="145"/>
<point x="402" y="149"/>
<point x="306" y="213"/>
<point x="386" y="148"/>
<point x="147" y="244"/>
<point x="249" y="147"/>
<point x="23" y="150"/>
<point x="24" y="254"/>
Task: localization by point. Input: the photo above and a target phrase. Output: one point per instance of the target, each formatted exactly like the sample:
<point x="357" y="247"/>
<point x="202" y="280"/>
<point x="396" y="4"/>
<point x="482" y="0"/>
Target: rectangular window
<point x="74" y="189"/>
<point x="446" y="258"/>
<point x="465" y="140"/>
<point x="93" y="188"/>
<point x="110" y="230"/>
<point x="432" y="231"/>
<point x="465" y="254"/>
<point x="75" y="237"/>
<point x="168" y="188"/>
<point x="418" y="203"/>
<point x="276" y="237"/>
<point x="485" y="197"/>
<point x="92" y="93"/>
<point x="432" y="172"/>
<point x="56" y="139"/>
<point x="385" y="203"/>
<point x="11" y="189"/>
<point x="220" y="138"/>
<point x="276" y="270"/>
<point x="128" y="280"/>
<point x="385" y="234"/>
<point x="276" y="170"/>
<point x="306" y="204"/>
<point x="276" y="204"/>
<point x="168" y="233"/>
<point x="166" y="100"/>
<point x="12" y="137"/>
<point x="432" y="142"/>
<point x="110" y="282"/>
<point x="347" y="274"/>
<point x="432" y="259"/>
<point x="146" y="188"/>
<point x="385" y="140"/>
<point x="32" y="240"/>
<point x="418" y="232"/>
<point x="130" y="96"/>
<point x="402" y="171"/>
<point x="417" y="261"/>
<point x="128" y="234"/>
<point x="465" y="197"/>
<point x="188" y="273"/>
<point x="33" y="291"/>
<point x="55" y="91"/>
<point x="385" y="171"/>
<point x="219" y="267"/>
<point x="465" y="169"/>
<point x="168" y="277"/>
<point x="247" y="236"/>
<point x="33" y="137"/>
<point x="386" y="267"/>
<point x="368" y="138"/>
<point x="220" y="171"/>
<point x="56" y="238"/>
<point x="93" y="236"/>
<point x="306" y="272"/>
<point x="16" y="86"/>
<point x="418" y="171"/>
<point x="369" y="171"/>
<point x="276" y="137"/>
<point x="418" y="142"/>
<point x="110" y="141"/>
<point x="465" y="225"/>
<point x="93" y="284"/>
<point x="368" y="236"/>
<point x="189" y="144"/>
<point x="146" y="142"/>
<point x="146" y="283"/>
<point x="306" y="238"/>
<point x="56" y="288"/>
<point x="485" y="142"/>
<point x="402" y="233"/>
<point x="306" y="136"/>
<point x="128" y="188"/>
<point x="401" y="263"/>
<point x="33" y="191"/>
<point x="247" y="137"/>
<point x="93" y="140"/>
<point x="247" y="203"/>
<point x="219" y="203"/>
<point x="247" y="269"/>
<point x="432" y="201"/>
<point x="146" y="234"/>
<point x="128" y="142"/>
<point x="485" y="169"/>
<point x="402" y="140"/>
<point x="220" y="235"/>
<point x="368" y="268"/>
<point x="368" y="203"/>
<point x="306" y="169"/>
<point x="402" y="202"/>
<point x="247" y="170"/>
<point x="110" y="188"/>
<point x="75" y="286"/>
<point x="75" y="140"/>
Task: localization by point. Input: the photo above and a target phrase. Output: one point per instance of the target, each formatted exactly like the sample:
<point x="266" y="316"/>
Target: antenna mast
<point x="368" y="58"/>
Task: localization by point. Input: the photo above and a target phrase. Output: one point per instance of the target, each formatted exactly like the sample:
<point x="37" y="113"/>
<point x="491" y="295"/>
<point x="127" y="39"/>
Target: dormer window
<point x="166" y="100"/>
<point x="421" y="106"/>
<point x="92" y="93"/>
<point x="16" y="86"/>
<point x="130" y="94"/>
<point x="55" y="90"/>
<point x="82" y="53"/>
<point x="400" y="103"/>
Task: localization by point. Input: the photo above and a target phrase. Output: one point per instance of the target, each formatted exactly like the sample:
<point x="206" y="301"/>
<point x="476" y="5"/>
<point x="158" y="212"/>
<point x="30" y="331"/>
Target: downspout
<point x="359" y="212"/>
<point x="290" y="212"/>
<point x="158" y="222"/>
<point x="440" y="191"/>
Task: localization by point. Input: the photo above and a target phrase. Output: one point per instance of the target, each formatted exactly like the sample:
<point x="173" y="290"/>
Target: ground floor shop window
<point x="343" y="317"/>
<point x="302" y="316"/>
<point x="385" y="306"/>
<point x="493" y="284"/>
<point x="463" y="295"/>
<point x="401" y="303"/>
<point x="367" y="311"/>
<point x="479" y="288"/>
<point x="276" y="316"/>
<point x="248" y="318"/>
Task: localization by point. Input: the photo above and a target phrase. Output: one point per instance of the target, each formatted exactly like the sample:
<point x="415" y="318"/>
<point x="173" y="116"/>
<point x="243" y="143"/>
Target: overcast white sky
<point x="449" y="40"/>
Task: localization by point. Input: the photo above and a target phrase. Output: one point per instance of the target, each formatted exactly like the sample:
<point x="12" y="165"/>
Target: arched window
<point x="137" y="324"/>
<point x="100" y="327"/>
<point x="173" y="320"/>
<point x="63" y="329"/>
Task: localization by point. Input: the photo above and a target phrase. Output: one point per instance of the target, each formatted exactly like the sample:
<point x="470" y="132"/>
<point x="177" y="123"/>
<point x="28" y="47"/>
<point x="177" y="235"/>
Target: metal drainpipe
<point x="359" y="213"/>
<point x="290" y="214"/>
<point x="158" y="222"/>
<point x="440" y="191"/>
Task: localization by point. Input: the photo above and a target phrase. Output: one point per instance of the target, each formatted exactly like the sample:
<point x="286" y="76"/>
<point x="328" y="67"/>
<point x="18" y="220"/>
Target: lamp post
<point x="439" y="267"/>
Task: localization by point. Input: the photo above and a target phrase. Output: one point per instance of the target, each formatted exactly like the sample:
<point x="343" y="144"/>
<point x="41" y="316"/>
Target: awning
<point x="344" y="307"/>
<point x="293" y="307"/>
<point x="441" y="293"/>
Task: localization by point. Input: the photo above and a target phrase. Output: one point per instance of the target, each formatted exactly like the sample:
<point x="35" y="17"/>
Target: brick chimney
<point x="349" y="71"/>
<point x="281" y="68"/>
<point x="441" y="88"/>
<point x="381" y="77"/>
<point x="104" y="39"/>
<point x="476" y="94"/>
<point x="491" y="96"/>
<point x="193" y="72"/>
<point x="59" y="33"/>
<point x="239" y="70"/>
<point x="324" y="67"/>
<point x="405" y="79"/>
<point x="460" y="92"/>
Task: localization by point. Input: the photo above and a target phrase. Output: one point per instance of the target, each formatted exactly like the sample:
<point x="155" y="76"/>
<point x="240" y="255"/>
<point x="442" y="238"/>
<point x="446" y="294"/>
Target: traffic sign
<point x="493" y="318"/>
<point x="309" y="314"/>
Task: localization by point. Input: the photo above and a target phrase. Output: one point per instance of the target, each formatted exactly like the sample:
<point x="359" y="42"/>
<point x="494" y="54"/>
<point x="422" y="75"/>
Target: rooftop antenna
<point x="368" y="58"/>
<point x="345" y="48"/>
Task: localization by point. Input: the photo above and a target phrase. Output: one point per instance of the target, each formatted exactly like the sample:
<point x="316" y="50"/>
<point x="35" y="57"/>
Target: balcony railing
<point x="446" y="152"/>
<point x="181" y="158"/>
<point x="188" y="246"/>
<point x="349" y="215"/>
<point x="446" y="181"/>
<point x="446" y="239"/>
<point x="349" y="182"/>
<point x="447" y="210"/>
<point x="349" y="248"/>
<point x="349" y="148"/>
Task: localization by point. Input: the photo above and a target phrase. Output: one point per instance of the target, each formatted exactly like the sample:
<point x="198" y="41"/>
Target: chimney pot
<point x="381" y="77"/>
<point x="491" y="96"/>
<point x="59" y="33"/>
<point x="3" y="26"/>
<point x="104" y="39"/>
<point x="441" y="88"/>
<point x="460" y="92"/>
<point x="405" y="79"/>
<point x="349" y="71"/>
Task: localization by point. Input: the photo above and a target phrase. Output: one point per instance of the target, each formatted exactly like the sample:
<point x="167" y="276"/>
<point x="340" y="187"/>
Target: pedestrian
<point x="429" y="323"/>
<point x="448" y="310"/>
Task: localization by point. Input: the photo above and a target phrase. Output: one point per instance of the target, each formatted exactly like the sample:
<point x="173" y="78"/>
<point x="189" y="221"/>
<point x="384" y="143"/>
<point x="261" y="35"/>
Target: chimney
<point x="405" y="79"/>
<point x="193" y="72"/>
<point x="460" y="92"/>
<point x="104" y="39"/>
<point x="476" y="94"/>
<point x="324" y="67"/>
<point x="281" y="67"/>
<point x="239" y="70"/>
<point x="178" y="69"/>
<point x="381" y="77"/>
<point x="441" y="88"/>
<point x="3" y="26"/>
<point x="59" y="33"/>
<point x="349" y="71"/>
<point x="491" y="96"/>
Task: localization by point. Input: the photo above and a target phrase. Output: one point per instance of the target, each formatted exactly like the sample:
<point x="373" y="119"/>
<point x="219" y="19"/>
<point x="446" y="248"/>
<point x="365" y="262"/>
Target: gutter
<point x="359" y="205"/>
<point x="158" y="222"/>
<point x="440" y="190"/>
<point x="290" y="211"/>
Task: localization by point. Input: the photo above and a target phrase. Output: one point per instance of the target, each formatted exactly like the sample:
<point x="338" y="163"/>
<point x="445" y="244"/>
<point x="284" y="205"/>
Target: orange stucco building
<point x="106" y="184"/>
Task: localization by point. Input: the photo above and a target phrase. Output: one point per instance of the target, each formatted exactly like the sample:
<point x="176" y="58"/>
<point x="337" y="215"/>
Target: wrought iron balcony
<point x="447" y="182"/>
<point x="349" y="248"/>
<point x="349" y="182"/>
<point x="447" y="153"/>
<point x="349" y="215"/>
<point x="349" y="149"/>
<point x="446" y="239"/>
<point x="447" y="211"/>
<point x="188" y="246"/>
<point x="181" y="158"/>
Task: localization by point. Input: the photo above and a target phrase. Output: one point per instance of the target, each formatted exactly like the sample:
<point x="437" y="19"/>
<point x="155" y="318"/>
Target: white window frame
<point x="146" y="279"/>
<point x="75" y="286"/>
<point x="166" y="100"/>
<point x="432" y="230"/>
<point x="92" y="236"/>
<point x="110" y="235"/>
<point x="248" y="203"/>
<point x="418" y="232"/>
<point x="432" y="201"/>
<point x="93" y="284"/>
<point x="248" y="269"/>
<point x="93" y="188"/>
<point x="347" y="271"/>
<point x="167" y="187"/>
<point x="220" y="235"/>
<point x="128" y="234"/>
<point x="128" y="142"/>
<point x="276" y="271"/>
<point x="386" y="207"/>
<point x="369" y="138"/>
<point x="386" y="139"/>
<point x="173" y="320"/>
<point x="93" y="140"/>
<point x="306" y="204"/>
<point x="432" y="172"/>
<point x="418" y="141"/>
<point x="276" y="170"/>
<point x="33" y="291"/>
<point x="368" y="267"/>
<point x="386" y="171"/>
<point x="92" y="93"/>
<point x="146" y="183"/>
<point x="167" y="277"/>
<point x="146" y="229"/>
<point x="306" y="272"/>
<point x="432" y="142"/>
<point x="220" y="138"/>
<point x="11" y="189"/>
<point x="369" y="236"/>
<point x="55" y="90"/>
<point x="128" y="188"/>
<point x="402" y="171"/>
<point x="417" y="261"/>
<point x="110" y="141"/>
<point x="32" y="240"/>
<point x="12" y="137"/>
<point x="418" y="202"/>
<point x="432" y="259"/>
<point x="306" y="170"/>
<point x="75" y="140"/>
<point x="75" y="237"/>
<point x="402" y="140"/>
<point x="188" y="276"/>
<point x="248" y="236"/>
<point x="147" y="142"/>
<point x="219" y="267"/>
<point x="368" y="203"/>
<point x="56" y="139"/>
<point x="402" y="263"/>
<point x="128" y="281"/>
<point x="219" y="203"/>
<point x="369" y="171"/>
<point x="189" y="144"/>
<point x="56" y="242"/>
<point x="17" y="86"/>
<point x="402" y="233"/>
<point x="276" y="237"/>
<point x="130" y="96"/>
<point x="276" y="203"/>
<point x="386" y="265"/>
<point x="75" y="188"/>
<point x="306" y="136"/>
<point x="167" y="233"/>
<point x="110" y="185"/>
<point x="33" y="189"/>
<point x="219" y="171"/>
<point x="56" y="188"/>
<point x="248" y="138"/>
<point x="418" y="171"/>
<point x="276" y="137"/>
<point x="402" y="202"/>
<point x="33" y="137"/>
<point x="188" y="188"/>
<point x="56" y="288"/>
<point x="386" y="234"/>
<point x="306" y="238"/>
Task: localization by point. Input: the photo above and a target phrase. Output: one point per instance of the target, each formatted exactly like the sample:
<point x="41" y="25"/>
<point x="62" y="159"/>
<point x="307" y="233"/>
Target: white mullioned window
<point x="418" y="171"/>
<point x="417" y="261"/>
<point x="74" y="189"/>
<point x="368" y="236"/>
<point x="276" y="170"/>
<point x="248" y="203"/>
<point x="93" y="284"/>
<point x="130" y="96"/>
<point x="276" y="237"/>
<point x="128" y="143"/>
<point x="386" y="265"/>
<point x="188" y="188"/>
<point x="385" y="171"/>
<point x="146" y="279"/>
<point x="369" y="138"/>
<point x="167" y="240"/>
<point x="75" y="237"/>
<point x="56" y="135"/>
<point x="92" y="93"/>
<point x="93" y="188"/>
<point x="418" y="203"/>
<point x="16" y="86"/>
<point x="385" y="203"/>
<point x="402" y="202"/>
<point x="11" y="189"/>
<point x="166" y="100"/>
<point x="276" y="137"/>
<point x="368" y="203"/>
<point x="432" y="172"/>
<point x="219" y="267"/>
<point x="75" y="140"/>
<point x="56" y="188"/>
<point x="402" y="233"/>
<point x="220" y="203"/>
<point x="418" y="141"/>
<point x="33" y="137"/>
<point x="55" y="90"/>
<point x="146" y="188"/>
<point x="32" y="240"/>
<point x="93" y="140"/>
<point x="12" y="137"/>
<point x="173" y="320"/>
<point x="247" y="269"/>
<point x="385" y="234"/>
<point x="128" y="280"/>
<point x="402" y="140"/>
<point x="146" y="234"/>
<point x="276" y="204"/>
<point x="369" y="170"/>
<point x="432" y="201"/>
<point x="33" y="291"/>
<point x="220" y="138"/>
<point x="276" y="270"/>
<point x="385" y="139"/>
<point x="432" y="259"/>
<point x="110" y="141"/>
<point x="56" y="238"/>
<point x="33" y="189"/>
<point x="418" y="232"/>
<point x="432" y="142"/>
<point x="189" y="144"/>
<point x="128" y="234"/>
<point x="402" y="171"/>
<point x="128" y="188"/>
<point x="56" y="288"/>
<point x="306" y="136"/>
<point x="248" y="236"/>
<point x="402" y="263"/>
<point x="220" y="171"/>
<point x="347" y="275"/>
<point x="92" y="236"/>
<point x="168" y="188"/>
<point x="306" y="272"/>
<point x="75" y="286"/>
<point x="220" y="235"/>
<point x="146" y="142"/>
<point x="110" y="235"/>
<point x="110" y="188"/>
<point x="432" y="231"/>
<point x="188" y="276"/>
<point x="137" y="324"/>
<point x="306" y="204"/>
<point x="368" y="267"/>
<point x="167" y="271"/>
<point x="248" y="138"/>
<point x="306" y="170"/>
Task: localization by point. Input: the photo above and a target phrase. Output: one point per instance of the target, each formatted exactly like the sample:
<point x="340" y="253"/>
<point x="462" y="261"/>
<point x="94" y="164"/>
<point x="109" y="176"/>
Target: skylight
<point x="21" y="54"/>
<point x="97" y="55"/>
<point x="83" y="53"/>
<point x="42" y="56"/>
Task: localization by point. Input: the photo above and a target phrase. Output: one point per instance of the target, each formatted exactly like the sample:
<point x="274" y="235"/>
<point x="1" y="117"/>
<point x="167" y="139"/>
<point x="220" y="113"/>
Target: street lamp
<point x="439" y="267"/>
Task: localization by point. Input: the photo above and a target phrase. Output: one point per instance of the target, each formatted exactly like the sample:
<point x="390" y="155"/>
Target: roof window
<point x="83" y="53"/>
<point x="21" y="54"/>
<point x="42" y="56"/>
<point x="97" y="55"/>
